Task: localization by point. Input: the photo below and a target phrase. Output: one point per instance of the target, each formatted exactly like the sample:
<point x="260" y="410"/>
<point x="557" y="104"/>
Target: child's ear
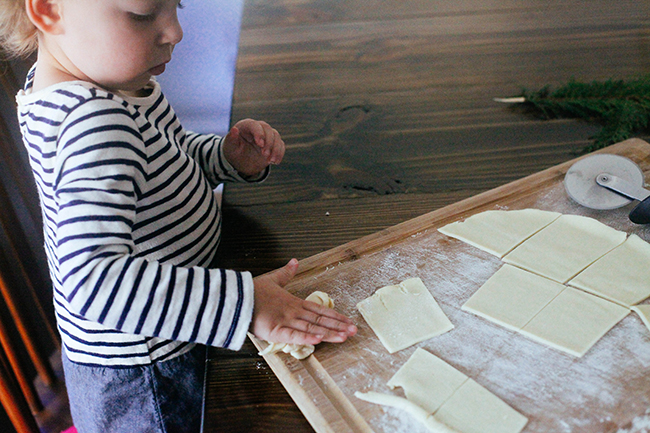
<point x="45" y="15"/>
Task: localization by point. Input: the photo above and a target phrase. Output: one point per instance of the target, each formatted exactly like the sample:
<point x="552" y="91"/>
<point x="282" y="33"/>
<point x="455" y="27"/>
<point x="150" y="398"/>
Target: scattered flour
<point x="602" y="392"/>
<point x="640" y="424"/>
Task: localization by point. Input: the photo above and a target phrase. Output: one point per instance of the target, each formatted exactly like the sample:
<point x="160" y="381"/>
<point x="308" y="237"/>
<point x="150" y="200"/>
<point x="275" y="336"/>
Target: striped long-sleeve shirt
<point x="130" y="222"/>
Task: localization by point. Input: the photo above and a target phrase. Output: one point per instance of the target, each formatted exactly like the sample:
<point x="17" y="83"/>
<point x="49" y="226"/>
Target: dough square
<point x="512" y="297"/>
<point x="622" y="275"/>
<point x="474" y="409"/>
<point x="498" y="231"/>
<point x="427" y="380"/>
<point x="644" y="312"/>
<point x="404" y="314"/>
<point x="565" y="247"/>
<point x="574" y="321"/>
<point x="447" y="399"/>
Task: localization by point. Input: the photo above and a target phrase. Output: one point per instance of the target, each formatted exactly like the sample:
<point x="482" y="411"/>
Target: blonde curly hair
<point x="18" y="36"/>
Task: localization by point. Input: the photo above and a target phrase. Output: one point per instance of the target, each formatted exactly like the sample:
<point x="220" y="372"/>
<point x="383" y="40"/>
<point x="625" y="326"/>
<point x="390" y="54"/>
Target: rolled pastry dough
<point x="499" y="231"/>
<point x="546" y="311"/>
<point x="300" y="351"/>
<point x="427" y="380"/>
<point x="404" y="314"/>
<point x="511" y="297"/>
<point x="622" y="275"/>
<point x="445" y="400"/>
<point x="571" y="249"/>
<point x="574" y="321"/>
<point x="474" y="409"/>
<point x="565" y="247"/>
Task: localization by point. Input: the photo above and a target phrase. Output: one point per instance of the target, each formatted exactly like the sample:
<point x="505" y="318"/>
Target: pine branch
<point x="621" y="107"/>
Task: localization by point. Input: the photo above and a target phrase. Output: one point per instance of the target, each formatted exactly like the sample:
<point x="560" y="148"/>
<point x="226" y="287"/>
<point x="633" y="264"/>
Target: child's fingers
<point x="250" y="131"/>
<point x="319" y="324"/>
<point x="327" y="321"/>
<point x="310" y="325"/>
<point x="273" y="147"/>
<point x="328" y="334"/>
<point x="324" y="311"/>
<point x="264" y="137"/>
<point x="256" y="132"/>
<point x="302" y="332"/>
<point x="277" y="150"/>
<point x="295" y="336"/>
<point x="328" y="317"/>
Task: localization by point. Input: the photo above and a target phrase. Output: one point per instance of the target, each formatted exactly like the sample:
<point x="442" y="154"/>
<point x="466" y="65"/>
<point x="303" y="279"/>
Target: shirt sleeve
<point x="207" y="150"/>
<point x="100" y="170"/>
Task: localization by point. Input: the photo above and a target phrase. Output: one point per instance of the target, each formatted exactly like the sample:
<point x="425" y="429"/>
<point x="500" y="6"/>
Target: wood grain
<point x="387" y="112"/>
<point x="245" y="396"/>
<point x="390" y="105"/>
<point x="350" y="48"/>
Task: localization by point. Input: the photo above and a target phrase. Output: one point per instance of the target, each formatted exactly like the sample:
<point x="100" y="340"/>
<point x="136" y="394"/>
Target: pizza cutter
<point x="606" y="181"/>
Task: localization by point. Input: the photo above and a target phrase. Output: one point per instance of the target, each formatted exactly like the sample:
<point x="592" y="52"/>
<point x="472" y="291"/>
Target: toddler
<point x="130" y="220"/>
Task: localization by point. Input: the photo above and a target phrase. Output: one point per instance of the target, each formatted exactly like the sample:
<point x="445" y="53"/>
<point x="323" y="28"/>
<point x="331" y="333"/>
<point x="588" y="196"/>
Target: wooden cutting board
<point x="605" y="390"/>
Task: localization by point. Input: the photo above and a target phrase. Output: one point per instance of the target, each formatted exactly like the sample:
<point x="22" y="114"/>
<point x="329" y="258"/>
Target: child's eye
<point x="149" y="16"/>
<point x="142" y="18"/>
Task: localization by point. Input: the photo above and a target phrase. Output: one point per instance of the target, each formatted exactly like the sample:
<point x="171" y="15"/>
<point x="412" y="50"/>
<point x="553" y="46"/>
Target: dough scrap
<point x="413" y="409"/>
<point x="300" y="351"/>
<point x="644" y="312"/>
<point x="565" y="247"/>
<point x="574" y="321"/>
<point x="461" y="405"/>
<point x="404" y="314"/>
<point x="498" y="231"/>
<point x="622" y="275"/>
<point x="511" y="297"/>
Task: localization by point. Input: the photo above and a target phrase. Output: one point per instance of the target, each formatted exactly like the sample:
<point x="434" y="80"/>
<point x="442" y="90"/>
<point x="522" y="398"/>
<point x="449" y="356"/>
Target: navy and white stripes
<point x="130" y="221"/>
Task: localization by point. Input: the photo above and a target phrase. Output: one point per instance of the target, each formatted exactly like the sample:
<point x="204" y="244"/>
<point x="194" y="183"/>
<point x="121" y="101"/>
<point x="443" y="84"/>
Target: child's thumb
<point x="233" y="135"/>
<point x="283" y="275"/>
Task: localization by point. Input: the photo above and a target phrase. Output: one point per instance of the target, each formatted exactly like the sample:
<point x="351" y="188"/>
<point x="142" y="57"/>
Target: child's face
<point x="118" y="44"/>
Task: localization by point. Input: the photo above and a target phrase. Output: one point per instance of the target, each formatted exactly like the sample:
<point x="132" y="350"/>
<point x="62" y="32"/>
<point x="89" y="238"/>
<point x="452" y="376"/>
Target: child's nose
<point x="173" y="32"/>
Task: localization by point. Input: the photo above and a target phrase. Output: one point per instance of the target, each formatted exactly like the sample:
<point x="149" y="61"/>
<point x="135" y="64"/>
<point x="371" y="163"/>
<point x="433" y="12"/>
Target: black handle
<point x="641" y="213"/>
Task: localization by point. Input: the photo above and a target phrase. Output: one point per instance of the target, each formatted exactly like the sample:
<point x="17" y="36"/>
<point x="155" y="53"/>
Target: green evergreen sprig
<point x="621" y="107"/>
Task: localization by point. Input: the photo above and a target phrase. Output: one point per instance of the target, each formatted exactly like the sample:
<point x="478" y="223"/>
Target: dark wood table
<point x="387" y="111"/>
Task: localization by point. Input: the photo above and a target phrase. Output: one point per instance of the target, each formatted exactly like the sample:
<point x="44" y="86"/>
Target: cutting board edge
<point x="342" y="413"/>
<point x="634" y="148"/>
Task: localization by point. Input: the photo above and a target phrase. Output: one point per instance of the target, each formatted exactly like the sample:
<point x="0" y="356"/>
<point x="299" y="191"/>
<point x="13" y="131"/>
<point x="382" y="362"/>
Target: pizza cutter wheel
<point x="606" y="181"/>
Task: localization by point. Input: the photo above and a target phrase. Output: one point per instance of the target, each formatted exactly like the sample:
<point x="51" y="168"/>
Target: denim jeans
<point x="164" y="397"/>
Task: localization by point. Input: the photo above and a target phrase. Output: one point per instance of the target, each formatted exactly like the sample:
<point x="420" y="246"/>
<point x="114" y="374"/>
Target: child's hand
<point x="252" y="145"/>
<point x="280" y="317"/>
